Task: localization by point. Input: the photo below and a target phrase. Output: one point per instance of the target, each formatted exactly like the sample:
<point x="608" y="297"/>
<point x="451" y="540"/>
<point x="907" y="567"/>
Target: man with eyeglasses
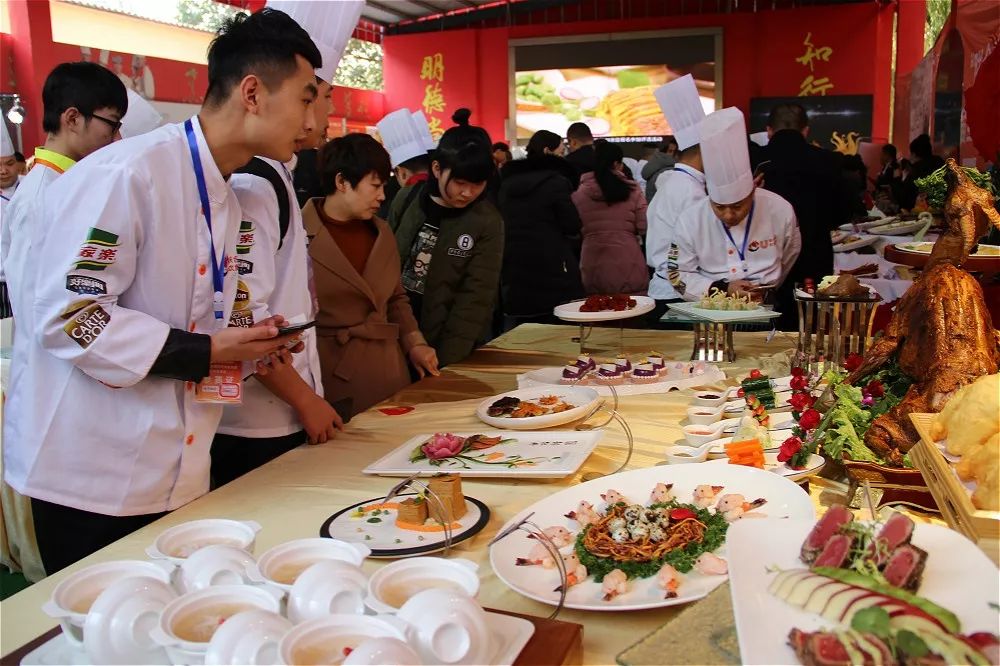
<point x="83" y="106"/>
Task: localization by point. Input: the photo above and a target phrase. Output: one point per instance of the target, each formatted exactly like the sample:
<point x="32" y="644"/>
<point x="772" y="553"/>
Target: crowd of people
<point x="199" y="298"/>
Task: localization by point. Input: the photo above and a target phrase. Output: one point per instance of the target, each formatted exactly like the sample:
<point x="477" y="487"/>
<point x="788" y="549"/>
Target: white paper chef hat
<point x="401" y="137"/>
<point x="329" y="24"/>
<point x="760" y="138"/>
<point x="726" y="156"/>
<point x="141" y="116"/>
<point x="425" y="129"/>
<point x="682" y="107"/>
<point x="6" y="145"/>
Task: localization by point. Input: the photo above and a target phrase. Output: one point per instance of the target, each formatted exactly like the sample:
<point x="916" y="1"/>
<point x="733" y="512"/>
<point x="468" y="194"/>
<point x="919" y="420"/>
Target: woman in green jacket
<point x="450" y="242"/>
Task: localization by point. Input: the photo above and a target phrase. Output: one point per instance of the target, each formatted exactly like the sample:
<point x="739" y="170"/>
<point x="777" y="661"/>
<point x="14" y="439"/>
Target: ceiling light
<point x="16" y="113"/>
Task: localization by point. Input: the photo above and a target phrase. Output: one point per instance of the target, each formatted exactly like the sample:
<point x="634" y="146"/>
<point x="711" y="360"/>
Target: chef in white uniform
<point x="284" y="408"/>
<point x="9" y="180"/>
<point x="677" y="189"/>
<point x="116" y="406"/>
<point x="741" y="237"/>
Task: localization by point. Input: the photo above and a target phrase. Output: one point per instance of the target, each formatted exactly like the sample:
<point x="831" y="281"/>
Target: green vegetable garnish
<point x="873" y="620"/>
<point x="374" y="520"/>
<point x="911" y="644"/>
<point x="935" y="187"/>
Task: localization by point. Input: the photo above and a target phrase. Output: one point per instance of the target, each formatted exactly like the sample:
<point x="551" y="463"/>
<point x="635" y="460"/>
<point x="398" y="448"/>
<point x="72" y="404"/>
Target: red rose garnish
<point x="798" y="372"/>
<point x="809" y="420"/>
<point x="682" y="514"/>
<point x="755" y="374"/>
<point x="852" y="362"/>
<point x="740" y="393"/>
<point x="798" y="382"/>
<point x="789" y="448"/>
<point x="875" y="389"/>
<point x="799" y="402"/>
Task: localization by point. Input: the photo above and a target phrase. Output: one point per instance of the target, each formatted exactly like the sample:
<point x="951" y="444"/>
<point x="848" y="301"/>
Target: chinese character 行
<point x="812" y="53"/>
<point x="813" y="86"/>
<point x="432" y="68"/>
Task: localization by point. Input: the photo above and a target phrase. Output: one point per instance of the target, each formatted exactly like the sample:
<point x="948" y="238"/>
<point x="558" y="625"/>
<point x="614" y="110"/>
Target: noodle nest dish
<point x="649" y="539"/>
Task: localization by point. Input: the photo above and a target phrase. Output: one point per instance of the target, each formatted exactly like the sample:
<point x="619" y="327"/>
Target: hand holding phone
<point x="295" y="328"/>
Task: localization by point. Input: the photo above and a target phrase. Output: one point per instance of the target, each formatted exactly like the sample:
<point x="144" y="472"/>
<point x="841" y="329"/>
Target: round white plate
<point x="784" y="498"/>
<point x="388" y="541"/>
<point x="813" y="466"/>
<point x="925" y="248"/>
<point x="864" y="241"/>
<point x="899" y="228"/>
<point x="882" y="221"/>
<point x="571" y="311"/>
<point x="582" y="398"/>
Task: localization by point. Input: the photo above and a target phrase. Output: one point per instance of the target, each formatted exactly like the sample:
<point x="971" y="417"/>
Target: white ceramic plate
<point x="551" y="454"/>
<point x="582" y="398"/>
<point x="864" y="241"/>
<point x="784" y="499"/>
<point x="813" y="465"/>
<point x="958" y="576"/>
<point x="510" y="635"/>
<point x="553" y="377"/>
<point x="925" y="248"/>
<point x="868" y="225"/>
<point x="780" y="421"/>
<point x="571" y="311"/>
<point x="898" y="228"/>
<point x="720" y="316"/>
<point x="386" y="540"/>
<point x="781" y="398"/>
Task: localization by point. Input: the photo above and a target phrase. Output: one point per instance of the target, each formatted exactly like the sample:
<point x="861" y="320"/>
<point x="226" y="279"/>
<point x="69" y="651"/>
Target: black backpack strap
<point x="260" y="168"/>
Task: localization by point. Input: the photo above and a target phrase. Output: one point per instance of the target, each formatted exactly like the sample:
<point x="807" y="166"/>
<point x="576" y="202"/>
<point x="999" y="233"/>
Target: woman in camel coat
<point x="365" y="327"/>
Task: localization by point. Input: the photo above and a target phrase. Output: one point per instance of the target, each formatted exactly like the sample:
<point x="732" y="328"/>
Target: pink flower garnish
<point x="443" y="445"/>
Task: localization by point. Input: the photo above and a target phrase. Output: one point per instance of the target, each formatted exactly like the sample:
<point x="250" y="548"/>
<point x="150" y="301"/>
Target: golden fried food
<point x="971" y="416"/>
<point x="987" y="493"/>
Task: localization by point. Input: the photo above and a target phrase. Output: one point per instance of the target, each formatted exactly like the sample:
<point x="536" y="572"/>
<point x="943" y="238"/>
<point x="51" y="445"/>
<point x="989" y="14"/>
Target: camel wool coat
<point x="364" y="325"/>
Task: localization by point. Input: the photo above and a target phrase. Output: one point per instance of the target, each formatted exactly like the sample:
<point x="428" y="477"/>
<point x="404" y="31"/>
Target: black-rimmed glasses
<point x="114" y="124"/>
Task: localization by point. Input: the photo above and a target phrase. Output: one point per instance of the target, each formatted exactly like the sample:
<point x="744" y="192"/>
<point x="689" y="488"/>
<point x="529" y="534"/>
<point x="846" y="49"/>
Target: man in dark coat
<point x="581" y="147"/>
<point x="810" y="179"/>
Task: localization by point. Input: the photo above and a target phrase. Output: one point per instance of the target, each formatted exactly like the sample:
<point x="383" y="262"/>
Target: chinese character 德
<point x="433" y="98"/>
<point x="432" y="68"/>
<point x="813" y="86"/>
<point x="812" y="53"/>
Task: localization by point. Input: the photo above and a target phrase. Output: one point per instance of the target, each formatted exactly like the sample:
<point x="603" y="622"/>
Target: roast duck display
<point x="941" y="332"/>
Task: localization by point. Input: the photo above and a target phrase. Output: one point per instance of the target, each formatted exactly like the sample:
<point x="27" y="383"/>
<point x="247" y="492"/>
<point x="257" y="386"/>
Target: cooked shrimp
<point x="661" y="493"/>
<point x="575" y="571"/>
<point x="559" y="536"/>
<point x="614" y="583"/>
<point x="704" y="495"/>
<point x="613" y="497"/>
<point x="734" y="506"/>
<point x="539" y="556"/>
<point x="584" y="514"/>
<point x="711" y="565"/>
<point x="669" y="579"/>
<point x="548" y="400"/>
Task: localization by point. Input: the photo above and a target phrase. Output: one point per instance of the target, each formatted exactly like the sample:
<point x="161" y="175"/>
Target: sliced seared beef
<point x="832" y="521"/>
<point x="837" y="551"/>
<point x="896" y="531"/>
<point x="827" y="649"/>
<point x="905" y="567"/>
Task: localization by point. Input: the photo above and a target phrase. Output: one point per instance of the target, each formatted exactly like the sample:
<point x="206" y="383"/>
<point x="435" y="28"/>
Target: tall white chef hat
<point x="760" y="138"/>
<point x="6" y="145"/>
<point x="329" y="24"/>
<point x="425" y="129"/>
<point x="401" y="137"/>
<point x="682" y="107"/>
<point x="726" y="156"/>
<point x="141" y="117"/>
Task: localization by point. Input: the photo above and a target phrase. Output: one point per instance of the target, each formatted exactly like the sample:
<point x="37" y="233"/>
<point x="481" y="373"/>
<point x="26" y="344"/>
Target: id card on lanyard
<point x="742" y="251"/>
<point x="224" y="383"/>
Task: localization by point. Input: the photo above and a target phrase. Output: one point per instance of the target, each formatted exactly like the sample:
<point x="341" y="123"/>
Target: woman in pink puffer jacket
<point x="613" y="212"/>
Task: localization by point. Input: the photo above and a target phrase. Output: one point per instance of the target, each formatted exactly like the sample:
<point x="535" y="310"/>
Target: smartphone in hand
<point x="295" y="328"/>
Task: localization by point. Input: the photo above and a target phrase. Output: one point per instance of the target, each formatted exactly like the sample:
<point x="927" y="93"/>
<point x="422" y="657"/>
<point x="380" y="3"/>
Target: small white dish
<point x="326" y="588"/>
<point x="392" y="585"/>
<point x="711" y="398"/>
<point x="812" y="467"/>
<point x="74" y="596"/>
<point x="117" y="628"/>
<point x="383" y="650"/>
<point x="250" y="637"/>
<point x="188" y="624"/>
<point x="284" y="563"/>
<point x="696" y="435"/>
<point x="181" y="541"/>
<point x="702" y="415"/>
<point x="447" y="627"/>
<point x="681" y="454"/>
<point x="330" y="639"/>
<point x="214" y="565"/>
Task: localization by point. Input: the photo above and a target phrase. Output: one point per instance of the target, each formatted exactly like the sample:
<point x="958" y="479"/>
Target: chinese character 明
<point x="432" y="68"/>
<point x="812" y="53"/>
<point x="433" y="98"/>
<point x="813" y="86"/>
<point x="434" y="125"/>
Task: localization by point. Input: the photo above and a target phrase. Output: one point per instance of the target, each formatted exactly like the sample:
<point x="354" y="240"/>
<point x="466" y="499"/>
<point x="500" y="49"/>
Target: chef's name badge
<point x="223" y="385"/>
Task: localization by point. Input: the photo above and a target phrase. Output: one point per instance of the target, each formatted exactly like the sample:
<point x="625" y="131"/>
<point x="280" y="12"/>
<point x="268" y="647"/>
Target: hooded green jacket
<point x="462" y="286"/>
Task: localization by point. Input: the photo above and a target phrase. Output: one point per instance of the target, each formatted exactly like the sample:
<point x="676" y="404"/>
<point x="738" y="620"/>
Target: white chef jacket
<point x="131" y="247"/>
<point x="277" y="282"/>
<point x="705" y="254"/>
<point x="6" y="196"/>
<point x="677" y="190"/>
<point x="19" y="222"/>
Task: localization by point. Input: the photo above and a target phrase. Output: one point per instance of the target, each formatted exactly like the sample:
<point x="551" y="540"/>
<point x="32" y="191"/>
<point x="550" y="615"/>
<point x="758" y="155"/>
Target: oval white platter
<point x="583" y="399"/>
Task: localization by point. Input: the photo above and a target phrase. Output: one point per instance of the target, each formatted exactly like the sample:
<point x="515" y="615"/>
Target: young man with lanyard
<point x="82" y="107"/>
<point x="677" y="189"/>
<point x="116" y="403"/>
<point x="741" y="237"/>
<point x="285" y="408"/>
